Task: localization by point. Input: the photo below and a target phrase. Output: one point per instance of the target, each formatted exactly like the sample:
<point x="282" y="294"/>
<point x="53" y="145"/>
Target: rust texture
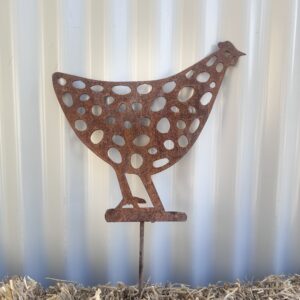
<point x="144" y="127"/>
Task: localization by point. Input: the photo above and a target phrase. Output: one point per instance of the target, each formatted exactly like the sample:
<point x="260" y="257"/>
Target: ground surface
<point x="272" y="287"/>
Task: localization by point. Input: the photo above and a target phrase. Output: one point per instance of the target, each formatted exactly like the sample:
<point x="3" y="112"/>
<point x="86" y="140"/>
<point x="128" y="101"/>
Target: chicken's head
<point x="230" y="53"/>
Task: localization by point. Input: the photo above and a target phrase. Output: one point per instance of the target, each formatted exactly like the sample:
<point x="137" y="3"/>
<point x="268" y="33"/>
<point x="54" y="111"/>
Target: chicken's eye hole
<point x="227" y="53"/>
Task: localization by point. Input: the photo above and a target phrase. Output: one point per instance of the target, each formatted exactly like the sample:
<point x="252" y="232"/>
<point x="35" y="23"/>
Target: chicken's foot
<point x="128" y="198"/>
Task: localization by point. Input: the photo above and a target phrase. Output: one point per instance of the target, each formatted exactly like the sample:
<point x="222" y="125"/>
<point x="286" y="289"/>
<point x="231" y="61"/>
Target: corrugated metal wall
<point x="239" y="184"/>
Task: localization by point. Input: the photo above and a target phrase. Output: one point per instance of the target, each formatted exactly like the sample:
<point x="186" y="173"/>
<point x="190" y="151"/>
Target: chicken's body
<point x="144" y="127"/>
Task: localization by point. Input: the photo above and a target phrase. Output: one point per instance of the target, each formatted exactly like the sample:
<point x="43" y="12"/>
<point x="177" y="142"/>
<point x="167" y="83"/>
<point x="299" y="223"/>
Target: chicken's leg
<point x="151" y="190"/>
<point x="128" y="198"/>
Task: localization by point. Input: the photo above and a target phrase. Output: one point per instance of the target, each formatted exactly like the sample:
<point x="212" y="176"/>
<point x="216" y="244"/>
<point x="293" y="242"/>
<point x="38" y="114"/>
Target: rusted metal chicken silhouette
<point x="144" y="127"/>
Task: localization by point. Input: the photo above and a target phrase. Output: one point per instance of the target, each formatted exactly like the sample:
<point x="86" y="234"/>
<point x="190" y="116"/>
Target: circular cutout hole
<point x="84" y="97"/>
<point x="203" y="77"/>
<point x="110" y="120"/>
<point x="192" y="109"/>
<point x="152" y="150"/>
<point x="81" y="110"/>
<point x="211" y="61"/>
<point x="212" y="85"/>
<point x="180" y="124"/>
<point x="183" y="141"/>
<point x="194" y="126"/>
<point x="144" y="89"/>
<point x="127" y="124"/>
<point x="96" y="110"/>
<point x="206" y="98"/>
<point x="169" y="87"/>
<point x="189" y="74"/>
<point x="121" y="89"/>
<point x="97" y="88"/>
<point x="142" y="140"/>
<point x="80" y="125"/>
<point x="136" y="160"/>
<point x="185" y="93"/>
<point x="114" y="155"/>
<point x="219" y="67"/>
<point x="97" y="136"/>
<point x="122" y="107"/>
<point x="158" y="104"/>
<point x="78" y="84"/>
<point x="118" y="140"/>
<point x="136" y="106"/>
<point x="169" y="144"/>
<point x="160" y="162"/>
<point x="61" y="81"/>
<point x="175" y="109"/>
<point x="145" y="121"/>
<point x="109" y="100"/>
<point x="163" y="125"/>
<point x="67" y="99"/>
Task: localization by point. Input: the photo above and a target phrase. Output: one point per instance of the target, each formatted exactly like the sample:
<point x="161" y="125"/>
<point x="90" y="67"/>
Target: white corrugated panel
<point x="239" y="184"/>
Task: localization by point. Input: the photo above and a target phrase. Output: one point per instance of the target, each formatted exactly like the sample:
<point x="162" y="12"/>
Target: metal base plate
<point x="143" y="215"/>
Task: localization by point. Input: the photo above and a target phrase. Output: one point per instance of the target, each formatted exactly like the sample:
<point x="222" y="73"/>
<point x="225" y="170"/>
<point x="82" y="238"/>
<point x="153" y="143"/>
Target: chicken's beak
<point x="241" y="53"/>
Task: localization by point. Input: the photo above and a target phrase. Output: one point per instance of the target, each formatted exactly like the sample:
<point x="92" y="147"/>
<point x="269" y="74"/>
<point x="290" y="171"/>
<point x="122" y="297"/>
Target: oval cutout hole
<point x="163" y="125"/>
<point x="97" y="136"/>
<point x="160" y="163"/>
<point x="97" y="88"/>
<point x="185" y="93"/>
<point x="183" y="141"/>
<point x="127" y="124"/>
<point x="206" y="98"/>
<point x="145" y="121"/>
<point x="78" y="84"/>
<point x="211" y="61"/>
<point x="192" y="109"/>
<point x="194" y="126"/>
<point x="81" y="110"/>
<point x="136" y="106"/>
<point x="110" y="120"/>
<point x="152" y="151"/>
<point x="109" y="100"/>
<point x="142" y="140"/>
<point x="96" y="110"/>
<point x="212" y="85"/>
<point x="189" y="74"/>
<point x="114" y="155"/>
<point x="180" y="124"/>
<point x="169" y="87"/>
<point x="158" y="104"/>
<point x="122" y="107"/>
<point x="219" y="67"/>
<point x="175" y="109"/>
<point x="61" y="81"/>
<point x="84" y="97"/>
<point x="203" y="77"/>
<point x="144" y="89"/>
<point x="136" y="160"/>
<point x="169" y="144"/>
<point x="118" y="140"/>
<point x="67" y="99"/>
<point x="121" y="89"/>
<point x="80" y="125"/>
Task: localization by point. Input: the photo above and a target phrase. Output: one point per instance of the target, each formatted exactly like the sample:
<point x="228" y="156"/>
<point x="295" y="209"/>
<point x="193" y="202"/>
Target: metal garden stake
<point x="144" y="127"/>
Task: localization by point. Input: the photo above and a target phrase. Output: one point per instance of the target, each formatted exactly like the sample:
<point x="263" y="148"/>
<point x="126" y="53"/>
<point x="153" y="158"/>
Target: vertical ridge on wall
<point x="11" y="213"/>
<point x="26" y="24"/>
<point x="52" y="143"/>
<point x="239" y="184"/>
<point x="287" y="154"/>
<point x="73" y="15"/>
